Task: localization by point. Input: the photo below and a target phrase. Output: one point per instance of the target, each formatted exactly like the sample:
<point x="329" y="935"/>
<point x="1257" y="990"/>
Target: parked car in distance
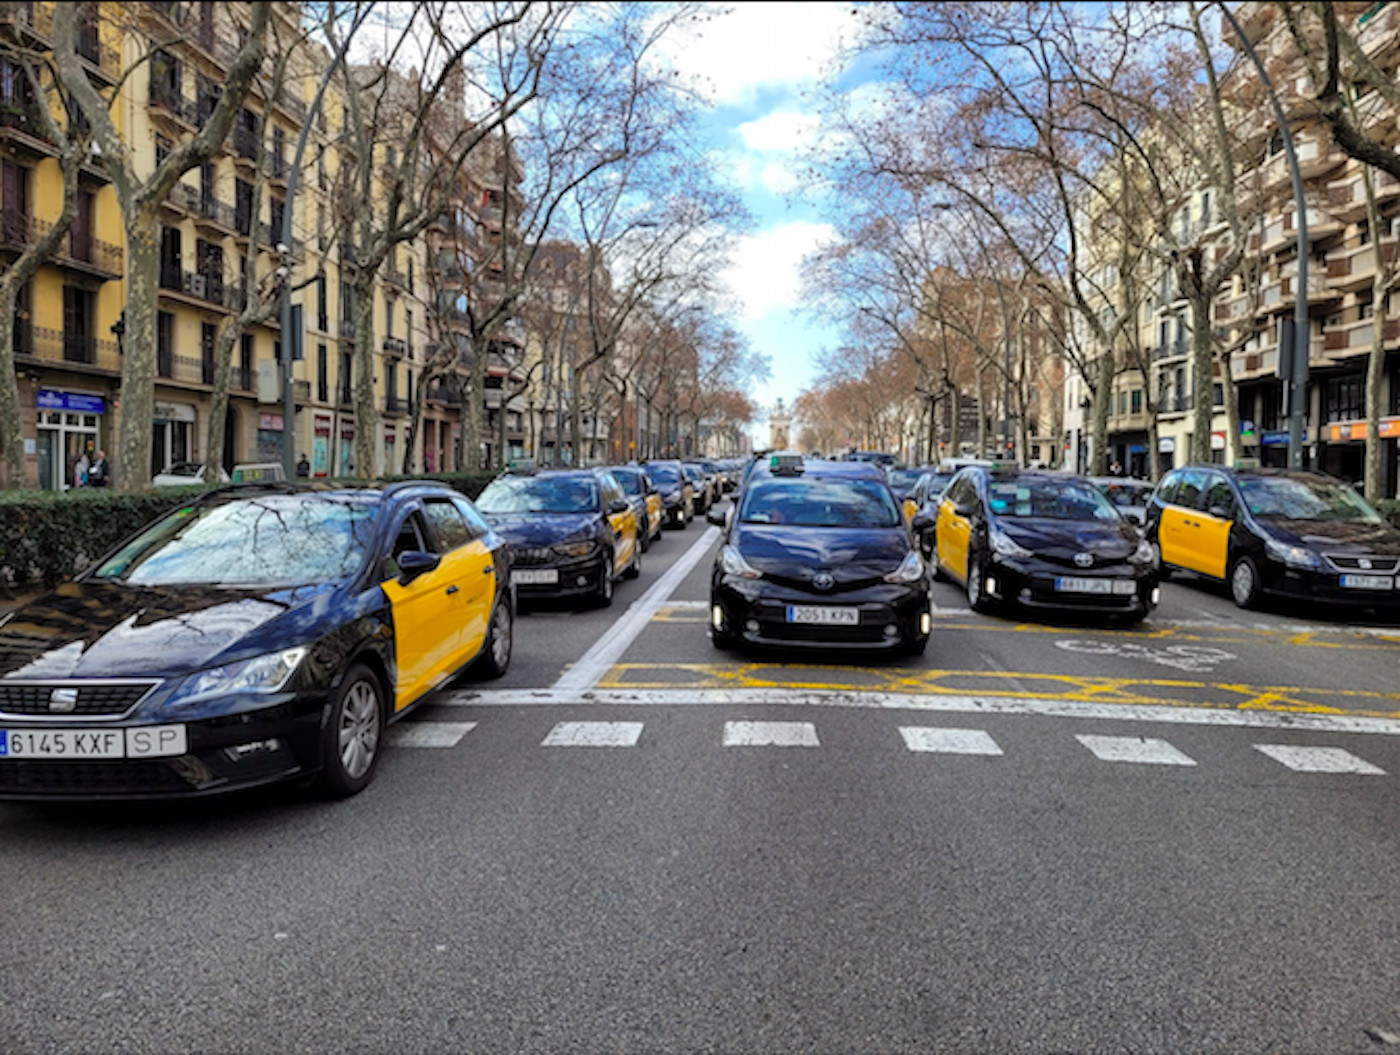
<point x="677" y="492"/>
<point x="646" y="500"/>
<point x="1130" y="497"/>
<point x="187" y="474"/>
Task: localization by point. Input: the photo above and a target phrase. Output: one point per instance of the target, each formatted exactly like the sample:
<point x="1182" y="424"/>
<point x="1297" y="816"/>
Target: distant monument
<point x="779" y="428"/>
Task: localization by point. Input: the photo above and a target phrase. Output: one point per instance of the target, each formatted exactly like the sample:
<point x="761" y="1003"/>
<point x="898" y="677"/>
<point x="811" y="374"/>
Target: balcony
<point x="207" y="288"/>
<point x="395" y="346"/>
<point x="210" y="212"/>
<point x="1356" y="338"/>
<point x="1353" y="266"/>
<point x="1174" y="350"/>
<point x="347" y="328"/>
<point x="166" y="103"/>
<point x="393" y="276"/>
<point x="75" y="349"/>
<point x="31" y="20"/>
<point x="245" y="144"/>
<point x="82" y="252"/>
<point x="395" y="405"/>
<point x="1176" y="403"/>
<point x="21" y="126"/>
<point x="16" y="229"/>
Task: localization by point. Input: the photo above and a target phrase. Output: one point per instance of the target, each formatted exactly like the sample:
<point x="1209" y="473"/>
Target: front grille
<point x="865" y="634"/>
<point x="90" y="778"/>
<point x="532" y="556"/>
<point x="95" y="699"/>
<point x="1347" y="562"/>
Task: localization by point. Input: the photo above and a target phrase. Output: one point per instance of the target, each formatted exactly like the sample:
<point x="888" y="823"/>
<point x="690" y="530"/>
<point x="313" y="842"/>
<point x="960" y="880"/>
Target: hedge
<point x="47" y="536"/>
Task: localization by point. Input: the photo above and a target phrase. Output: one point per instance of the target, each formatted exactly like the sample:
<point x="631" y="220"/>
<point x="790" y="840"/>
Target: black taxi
<point x="254" y="635"/>
<point x="572" y="532"/>
<point x="818" y="555"/>
<point x="1042" y="540"/>
<point x="1293" y="532"/>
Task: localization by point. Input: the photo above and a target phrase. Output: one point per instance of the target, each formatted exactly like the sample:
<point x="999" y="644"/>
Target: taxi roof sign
<point x="786" y="463"/>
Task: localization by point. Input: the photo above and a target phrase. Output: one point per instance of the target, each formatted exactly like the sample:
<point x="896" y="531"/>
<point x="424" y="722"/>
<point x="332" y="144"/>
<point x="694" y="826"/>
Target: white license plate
<point x="1368" y="582"/>
<point x="147" y="741"/>
<point x="806" y="613"/>
<point x="538" y="577"/>
<point x="1117" y="587"/>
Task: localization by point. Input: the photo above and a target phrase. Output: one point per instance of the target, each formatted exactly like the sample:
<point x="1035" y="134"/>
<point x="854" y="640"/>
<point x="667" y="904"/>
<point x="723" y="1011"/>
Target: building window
<point x="322" y="322"/>
<point x="245" y="363"/>
<point x="207" y="338"/>
<point x="323" y="389"/>
<point x="1137" y="401"/>
<point x="1346" y="398"/>
<point x="346" y="367"/>
<point x="165" y="344"/>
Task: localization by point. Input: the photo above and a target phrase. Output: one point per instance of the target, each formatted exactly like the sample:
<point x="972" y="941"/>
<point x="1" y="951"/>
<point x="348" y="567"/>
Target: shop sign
<point x="48" y="399"/>
<point x="270" y="422"/>
<point x="1166" y="444"/>
<point x="1274" y="439"/>
<point x="1356" y="430"/>
<point x="173" y="412"/>
<point x="1217" y="441"/>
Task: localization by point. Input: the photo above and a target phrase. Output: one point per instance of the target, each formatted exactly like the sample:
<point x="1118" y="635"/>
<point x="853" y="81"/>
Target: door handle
<point x="488" y="569"/>
<point x="451" y="590"/>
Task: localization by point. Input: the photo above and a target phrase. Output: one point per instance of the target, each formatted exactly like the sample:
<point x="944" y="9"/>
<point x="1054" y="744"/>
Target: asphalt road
<point x="1105" y="839"/>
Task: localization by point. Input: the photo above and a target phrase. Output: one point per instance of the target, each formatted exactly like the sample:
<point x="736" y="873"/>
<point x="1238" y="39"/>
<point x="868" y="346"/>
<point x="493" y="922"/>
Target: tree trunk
<point x="1232" y="410"/>
<point x="1153" y="442"/>
<point x="475" y="403"/>
<point x="1203" y="411"/>
<point x="11" y="434"/>
<point x="981" y="411"/>
<point x="1099" y="411"/>
<point x="1375" y="372"/>
<point x="366" y="417"/>
<point x="218" y="401"/>
<point x="415" y="423"/>
<point x="576" y="419"/>
<point x="136" y="428"/>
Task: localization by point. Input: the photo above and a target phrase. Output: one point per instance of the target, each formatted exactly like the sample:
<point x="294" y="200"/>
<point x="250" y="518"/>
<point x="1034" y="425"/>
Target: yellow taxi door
<point x="654" y="511"/>
<point x="1214" y="521"/>
<point x="623" y="523"/>
<point x="426" y="630"/>
<point x="1176" y="527"/>
<point x="471" y="566"/>
<point x="954" y="531"/>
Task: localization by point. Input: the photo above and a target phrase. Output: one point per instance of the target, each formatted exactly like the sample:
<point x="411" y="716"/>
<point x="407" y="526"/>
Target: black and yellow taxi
<point x="903" y="479"/>
<point x="572" y="532"/>
<point x="251" y="636"/>
<point x="1281" y="531"/>
<point x="677" y="492"/>
<point x="645" y="498"/>
<point x="817" y="555"/>
<point x="1042" y="540"/>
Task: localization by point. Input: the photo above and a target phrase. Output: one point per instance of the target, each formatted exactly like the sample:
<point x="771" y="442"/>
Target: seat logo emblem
<point x="63" y="701"/>
<point x="823" y="580"/>
<point x="1364" y="564"/>
<point x="1084" y="560"/>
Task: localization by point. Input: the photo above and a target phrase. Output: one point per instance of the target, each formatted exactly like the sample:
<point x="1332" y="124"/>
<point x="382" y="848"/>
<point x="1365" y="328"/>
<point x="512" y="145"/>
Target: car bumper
<point x="1326" y="587"/>
<point x="1034" y="586"/>
<point x="756" y="613"/>
<point x="575" y="579"/>
<point x="228" y="753"/>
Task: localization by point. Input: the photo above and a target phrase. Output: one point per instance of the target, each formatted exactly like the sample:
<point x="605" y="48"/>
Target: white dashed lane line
<point x="1318" y="759"/>
<point x="770" y="734"/>
<point x="594" y="734"/>
<point x="1139" y="749"/>
<point x="949" y="741"/>
<point x="429" y="734"/>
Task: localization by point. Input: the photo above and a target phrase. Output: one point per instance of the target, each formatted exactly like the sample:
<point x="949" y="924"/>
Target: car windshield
<point x="1293" y="498"/>
<point x="693" y="471"/>
<point x="820" y="503"/>
<point x="904" y="479"/>
<point x="1046" y="499"/>
<point x="938" y="483"/>
<point x="1124" y="495"/>
<point x="629" y="482"/>
<point x="268" y="540"/>
<point x="543" y="494"/>
<point x="663" y="474"/>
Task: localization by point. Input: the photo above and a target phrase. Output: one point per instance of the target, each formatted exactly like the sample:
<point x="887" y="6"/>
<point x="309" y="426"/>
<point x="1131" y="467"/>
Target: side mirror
<point x="413" y="563"/>
<point x="619" y="505"/>
<point x="1221" y="512"/>
<point x="923" y="522"/>
<point x="717" y="517"/>
<point x="1134" y="517"/>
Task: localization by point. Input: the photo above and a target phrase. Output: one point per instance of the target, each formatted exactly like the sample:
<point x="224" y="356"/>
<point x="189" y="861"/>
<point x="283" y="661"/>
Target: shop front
<point x="172" y="435"/>
<point x="321" y="446"/>
<point x="1344" y="452"/>
<point x="69" y="424"/>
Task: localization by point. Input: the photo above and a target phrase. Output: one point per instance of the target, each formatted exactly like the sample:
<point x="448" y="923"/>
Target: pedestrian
<point x="99" y="473"/>
<point x="303" y="466"/>
<point x="1116" y="469"/>
<point x="80" y="471"/>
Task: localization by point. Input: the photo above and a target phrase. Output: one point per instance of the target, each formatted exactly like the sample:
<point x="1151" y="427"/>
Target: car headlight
<point x="1293" y="556"/>
<point x="1006" y="546"/>
<point x="732" y="563"/>
<point x="911" y="569"/>
<point x="1144" y="554"/>
<point x="262" y="674"/>
<point x="575" y="549"/>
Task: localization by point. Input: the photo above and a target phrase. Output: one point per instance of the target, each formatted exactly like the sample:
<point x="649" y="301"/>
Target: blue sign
<point x="78" y="404"/>
<point x="1274" y="439"/>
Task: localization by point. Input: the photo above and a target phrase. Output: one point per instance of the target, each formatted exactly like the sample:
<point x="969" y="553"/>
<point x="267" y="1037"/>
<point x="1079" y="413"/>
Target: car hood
<point x="849" y="555"/>
<point x="527" y="530"/>
<point x="108" y="630"/>
<point x="1061" y="540"/>
<point x="1335" y="536"/>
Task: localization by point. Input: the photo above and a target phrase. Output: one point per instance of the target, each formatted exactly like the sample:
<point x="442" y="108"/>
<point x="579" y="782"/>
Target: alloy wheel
<point x="359" y="730"/>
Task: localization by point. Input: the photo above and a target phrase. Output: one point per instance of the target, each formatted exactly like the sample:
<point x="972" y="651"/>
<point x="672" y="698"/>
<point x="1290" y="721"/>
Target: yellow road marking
<point x="1031" y="685"/>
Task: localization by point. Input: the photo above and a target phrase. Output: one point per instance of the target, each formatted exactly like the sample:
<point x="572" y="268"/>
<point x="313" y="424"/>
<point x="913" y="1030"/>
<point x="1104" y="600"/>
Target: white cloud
<point x="765" y="273"/>
<point x="784" y="130"/>
<point x="779" y="177"/>
<point x="736" y="51"/>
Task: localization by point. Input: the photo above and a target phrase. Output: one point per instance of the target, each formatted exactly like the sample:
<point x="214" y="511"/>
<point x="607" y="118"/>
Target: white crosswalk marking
<point x="593" y="734"/>
<point x="1318" y="759"/>
<point x="1143" y="750"/>
<point x="428" y="734"/>
<point x="949" y="741"/>
<point x="770" y="734"/>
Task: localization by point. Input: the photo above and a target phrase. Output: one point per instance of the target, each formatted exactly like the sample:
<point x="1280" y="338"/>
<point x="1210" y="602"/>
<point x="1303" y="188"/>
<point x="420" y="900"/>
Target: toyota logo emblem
<point x="823" y="581"/>
<point x="1084" y="560"/>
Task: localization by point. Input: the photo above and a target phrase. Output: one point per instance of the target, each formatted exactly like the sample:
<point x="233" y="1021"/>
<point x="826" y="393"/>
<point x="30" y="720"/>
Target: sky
<point x="759" y="64"/>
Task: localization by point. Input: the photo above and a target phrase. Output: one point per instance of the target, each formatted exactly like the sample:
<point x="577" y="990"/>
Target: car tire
<point x="977" y="598"/>
<point x="500" y="637"/>
<point x="722" y="641"/>
<point x="1244" y="583"/>
<point x="643" y="536"/>
<point x="915" y="646"/>
<point x="634" y="570"/>
<point x="353" y="737"/>
<point x="603" y="594"/>
<point x="1164" y="572"/>
<point x="939" y="575"/>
